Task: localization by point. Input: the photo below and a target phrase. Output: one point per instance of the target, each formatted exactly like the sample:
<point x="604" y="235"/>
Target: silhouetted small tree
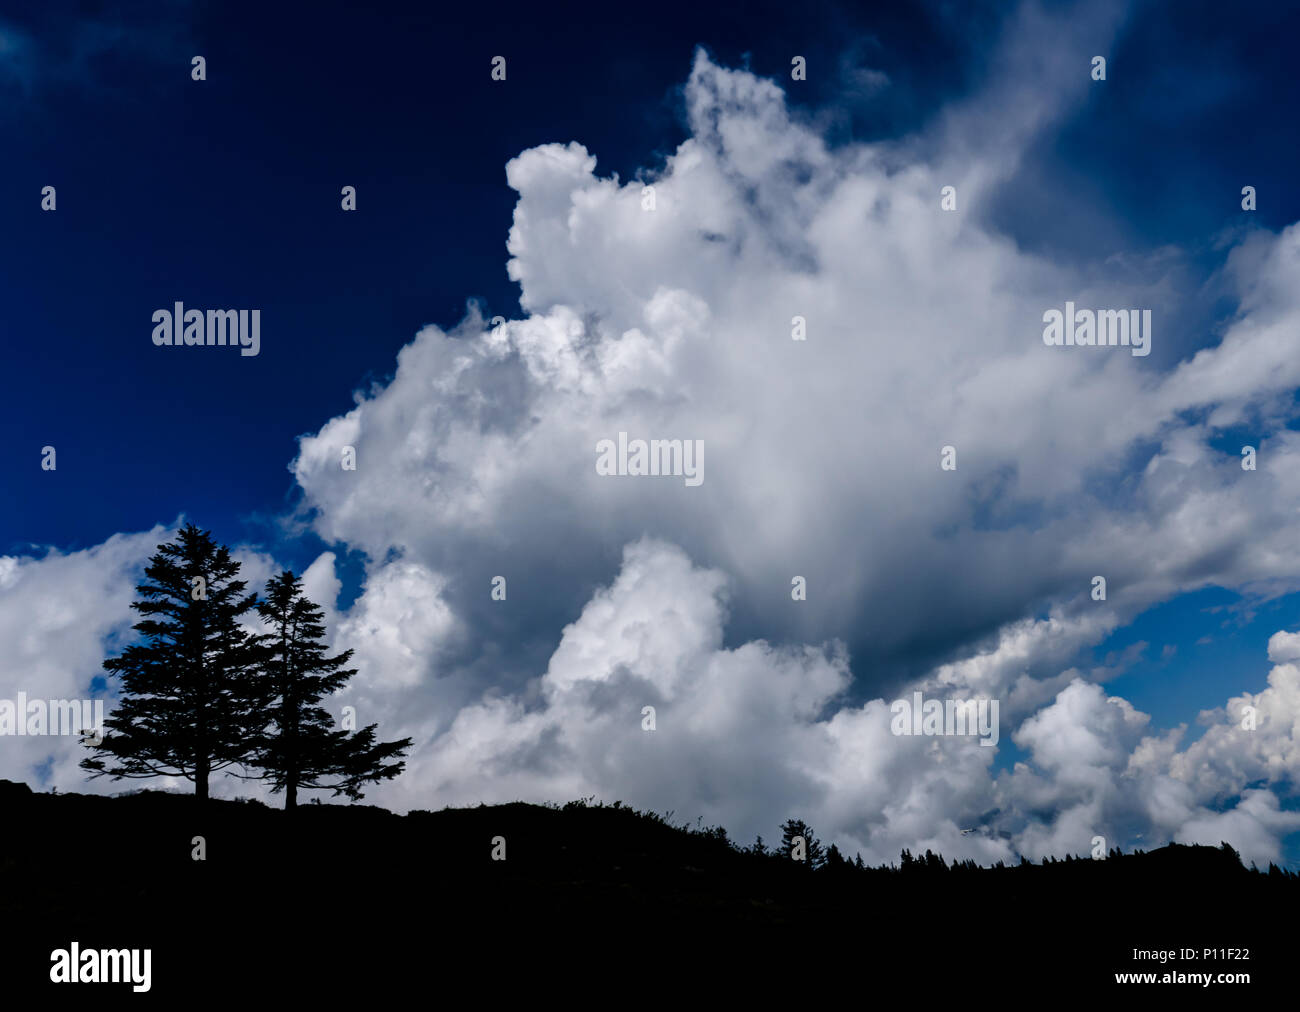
<point x="835" y="863"/>
<point x="815" y="857"/>
<point x="300" y="749"/>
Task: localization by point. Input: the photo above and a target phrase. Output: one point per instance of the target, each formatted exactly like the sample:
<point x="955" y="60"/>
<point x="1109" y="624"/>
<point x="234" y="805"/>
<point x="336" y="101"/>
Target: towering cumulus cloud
<point x="923" y="330"/>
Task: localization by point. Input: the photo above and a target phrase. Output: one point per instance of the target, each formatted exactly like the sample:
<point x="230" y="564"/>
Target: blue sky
<point x="225" y="193"/>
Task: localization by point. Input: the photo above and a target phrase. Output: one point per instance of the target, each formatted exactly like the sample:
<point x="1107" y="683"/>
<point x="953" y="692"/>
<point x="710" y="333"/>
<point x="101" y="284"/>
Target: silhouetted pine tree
<point x="934" y="862"/>
<point x="797" y="827"/>
<point x="835" y="862"/>
<point x="191" y="703"/>
<point x="300" y="750"/>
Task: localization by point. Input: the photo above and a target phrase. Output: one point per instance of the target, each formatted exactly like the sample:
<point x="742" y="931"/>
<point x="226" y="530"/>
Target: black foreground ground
<point x="352" y="902"/>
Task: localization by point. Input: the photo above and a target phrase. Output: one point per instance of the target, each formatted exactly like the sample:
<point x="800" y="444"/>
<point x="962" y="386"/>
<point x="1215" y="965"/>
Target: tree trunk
<point x="291" y="794"/>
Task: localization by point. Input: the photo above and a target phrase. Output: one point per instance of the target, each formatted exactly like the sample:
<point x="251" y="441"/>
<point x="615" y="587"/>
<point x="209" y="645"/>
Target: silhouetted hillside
<point x="365" y="899"/>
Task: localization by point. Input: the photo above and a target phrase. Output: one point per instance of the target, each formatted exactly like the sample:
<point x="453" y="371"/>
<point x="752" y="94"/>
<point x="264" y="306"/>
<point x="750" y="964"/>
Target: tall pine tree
<point x="814" y="857"/>
<point x="300" y="749"/>
<point x="191" y="700"/>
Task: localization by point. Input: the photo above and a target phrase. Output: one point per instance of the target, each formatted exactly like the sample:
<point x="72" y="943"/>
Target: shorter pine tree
<point x="300" y="749"/>
<point x="814" y="856"/>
